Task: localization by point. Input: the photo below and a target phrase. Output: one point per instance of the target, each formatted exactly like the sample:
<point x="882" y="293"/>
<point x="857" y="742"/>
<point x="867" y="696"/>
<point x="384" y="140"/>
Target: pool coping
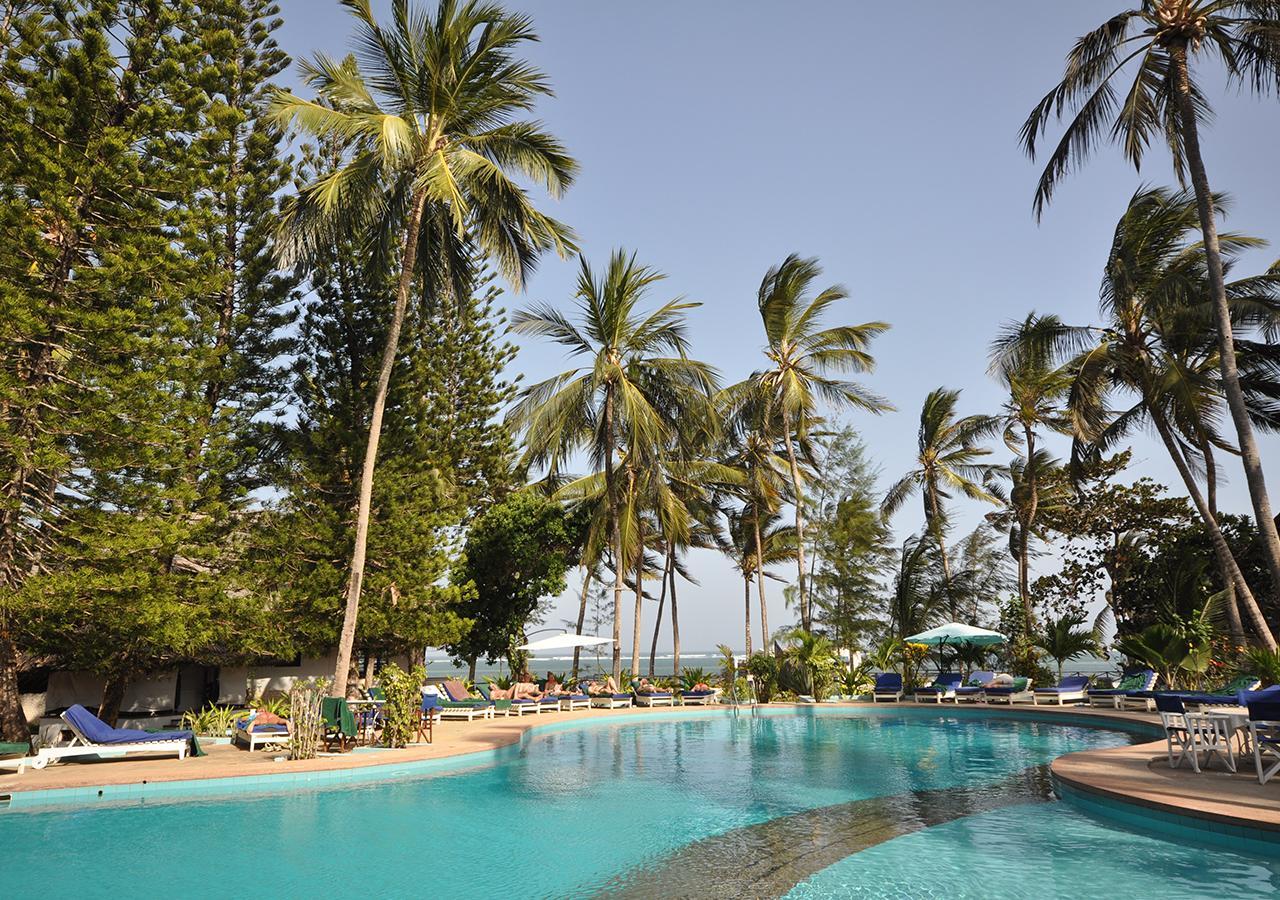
<point x="365" y="768"/>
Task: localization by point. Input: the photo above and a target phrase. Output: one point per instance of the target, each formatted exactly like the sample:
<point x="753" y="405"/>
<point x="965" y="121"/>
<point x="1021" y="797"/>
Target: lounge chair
<point x="1177" y="735"/>
<point x="1069" y="690"/>
<point x="699" y="698"/>
<point x="515" y="708"/>
<point x="888" y="686"/>
<point x="94" y="737"/>
<point x="260" y="734"/>
<point x="1227" y="695"/>
<point x="651" y="698"/>
<point x="971" y="690"/>
<point x="1019" y="691"/>
<point x="575" y="700"/>
<point x="1264" y="735"/>
<point x="15" y="755"/>
<point x="943" y="688"/>
<point x="1138" y="683"/>
<point x="617" y="700"/>
<point x="456" y="703"/>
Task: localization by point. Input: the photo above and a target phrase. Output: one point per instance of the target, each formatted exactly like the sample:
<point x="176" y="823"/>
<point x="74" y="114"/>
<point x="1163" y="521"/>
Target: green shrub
<point x="403" y="691"/>
<point x="212" y="721"/>
<point x="764" y="669"/>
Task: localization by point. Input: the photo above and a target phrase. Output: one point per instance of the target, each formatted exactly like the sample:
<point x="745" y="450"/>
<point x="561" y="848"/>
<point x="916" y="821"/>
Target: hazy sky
<point x="717" y="137"/>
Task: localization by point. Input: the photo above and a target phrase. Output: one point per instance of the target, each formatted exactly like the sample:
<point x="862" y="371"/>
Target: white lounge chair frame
<point x="713" y="697"/>
<point x="82" y="746"/>
<point x="1177" y="732"/>
<point x="1063" y="697"/>
<point x="256" y="739"/>
<point x="1021" y="696"/>
<point x="569" y="704"/>
<point x="895" y="696"/>
<point x="611" y="702"/>
<point x="654" y="700"/>
<point x="465" y="712"/>
<point x="925" y="696"/>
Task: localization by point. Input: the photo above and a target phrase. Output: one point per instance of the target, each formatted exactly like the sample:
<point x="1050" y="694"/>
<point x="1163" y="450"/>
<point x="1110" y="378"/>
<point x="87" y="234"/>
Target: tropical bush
<point x="693" y="675"/>
<point x="403" y="691"/>
<point x="212" y="721"/>
<point x="1168" y="651"/>
<point x="810" y="665"/>
<point x="858" y="680"/>
<point x="764" y="669"/>
<point x="912" y="658"/>
<point x="1261" y="663"/>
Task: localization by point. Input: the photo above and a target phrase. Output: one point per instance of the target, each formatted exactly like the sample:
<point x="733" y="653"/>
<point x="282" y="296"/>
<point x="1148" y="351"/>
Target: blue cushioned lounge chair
<point x="1137" y="682"/>
<point x="651" y="698"/>
<point x="1011" y="694"/>
<point x="943" y="688"/>
<point x="971" y="690"/>
<point x="1069" y="690"/>
<point x="94" y="737"/>
<point x="261" y="734"/>
<point x="699" y="698"/>
<point x="1227" y="695"/>
<point x="888" y="687"/>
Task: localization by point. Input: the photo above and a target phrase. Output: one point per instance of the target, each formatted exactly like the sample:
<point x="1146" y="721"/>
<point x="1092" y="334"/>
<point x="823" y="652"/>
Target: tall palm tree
<point x="1035" y="388"/>
<point x="1151" y="297"/>
<point x="626" y="398"/>
<point x="428" y="111"/>
<point x="752" y="448"/>
<point x="1158" y="42"/>
<point x="948" y="459"/>
<point x="802" y="358"/>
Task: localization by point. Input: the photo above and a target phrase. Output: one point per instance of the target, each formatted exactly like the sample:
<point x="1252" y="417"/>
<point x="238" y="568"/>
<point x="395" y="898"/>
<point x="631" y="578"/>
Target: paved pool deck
<point x="1136" y="774"/>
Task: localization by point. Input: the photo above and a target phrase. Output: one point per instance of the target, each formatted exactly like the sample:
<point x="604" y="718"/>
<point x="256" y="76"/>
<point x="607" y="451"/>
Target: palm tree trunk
<point x="746" y="593"/>
<point x="806" y="622"/>
<point x="662" y="601"/>
<point x="1220" y="547"/>
<point x="1248" y="444"/>
<point x="1234" y="625"/>
<point x="675" y="626"/>
<point x="582" y="614"/>
<point x="635" y="632"/>
<point x="764" y="609"/>
<point x="610" y="478"/>
<point x="935" y="517"/>
<point x="1024" y="536"/>
<point x="408" y="258"/>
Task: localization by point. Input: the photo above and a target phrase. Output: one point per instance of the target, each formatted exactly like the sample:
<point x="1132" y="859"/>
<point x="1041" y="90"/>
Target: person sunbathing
<point x="645" y="686"/>
<point x="602" y="689"/>
<point x="497" y="693"/>
<point x="525" y="690"/>
<point x="701" y="688"/>
<point x="554" y="687"/>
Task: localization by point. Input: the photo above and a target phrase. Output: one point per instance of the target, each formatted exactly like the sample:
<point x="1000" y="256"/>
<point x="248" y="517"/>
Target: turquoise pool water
<point x="664" y="805"/>
<point x="1039" y="851"/>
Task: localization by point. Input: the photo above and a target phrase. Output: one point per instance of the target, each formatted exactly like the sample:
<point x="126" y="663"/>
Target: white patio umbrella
<point x="955" y="633"/>
<point x="566" y="641"/>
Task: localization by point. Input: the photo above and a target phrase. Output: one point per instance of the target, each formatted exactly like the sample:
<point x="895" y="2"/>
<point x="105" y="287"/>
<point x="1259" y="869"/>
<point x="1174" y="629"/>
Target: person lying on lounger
<point x="602" y="689"/>
<point x="554" y="687"/>
<point x="700" y="688"/>
<point x="525" y="690"/>
<point x="645" y="686"/>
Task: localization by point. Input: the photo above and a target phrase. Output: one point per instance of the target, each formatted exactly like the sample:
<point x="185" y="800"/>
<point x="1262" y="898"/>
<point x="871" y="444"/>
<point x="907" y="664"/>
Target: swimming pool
<point x="825" y="803"/>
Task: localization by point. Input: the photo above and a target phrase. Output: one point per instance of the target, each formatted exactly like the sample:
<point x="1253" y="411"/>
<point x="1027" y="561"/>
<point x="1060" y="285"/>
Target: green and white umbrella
<point x="955" y="633"/>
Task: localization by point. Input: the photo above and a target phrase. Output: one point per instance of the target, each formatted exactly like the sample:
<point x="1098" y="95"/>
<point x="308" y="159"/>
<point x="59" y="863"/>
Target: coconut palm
<point x="626" y="399"/>
<point x="1065" y="638"/>
<point x="752" y="448"/>
<point x="1156" y="45"/>
<point x="916" y="602"/>
<point x="802" y="358"/>
<point x="948" y="459"/>
<point x="1151" y="303"/>
<point x="1035" y="388"/>
<point x="428" y="113"/>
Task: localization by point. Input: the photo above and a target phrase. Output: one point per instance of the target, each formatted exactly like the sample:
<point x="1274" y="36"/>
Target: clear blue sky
<point x="717" y="137"/>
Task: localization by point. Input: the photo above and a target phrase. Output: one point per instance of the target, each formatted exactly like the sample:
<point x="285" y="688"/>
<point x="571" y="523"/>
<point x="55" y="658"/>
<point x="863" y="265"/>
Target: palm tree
<point x="752" y="448"/>
<point x="916" y="602"/>
<point x="1152" y="288"/>
<point x="1035" y="388"/>
<point x="1062" y="639"/>
<point x="626" y="399"/>
<point x="802" y="357"/>
<point x="428" y="113"/>
<point x="1165" y="103"/>
<point x="948" y="459"/>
